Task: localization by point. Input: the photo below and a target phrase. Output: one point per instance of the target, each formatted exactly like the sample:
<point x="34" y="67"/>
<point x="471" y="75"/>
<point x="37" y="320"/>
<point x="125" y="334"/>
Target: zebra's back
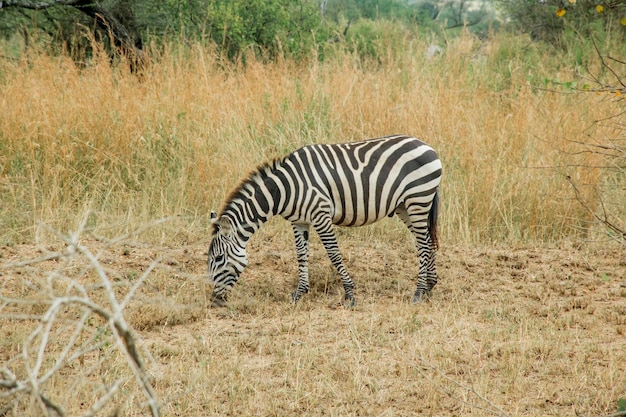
<point x="362" y="182"/>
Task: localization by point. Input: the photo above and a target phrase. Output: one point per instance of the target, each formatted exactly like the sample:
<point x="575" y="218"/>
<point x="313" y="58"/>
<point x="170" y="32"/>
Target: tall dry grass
<point x="177" y="139"/>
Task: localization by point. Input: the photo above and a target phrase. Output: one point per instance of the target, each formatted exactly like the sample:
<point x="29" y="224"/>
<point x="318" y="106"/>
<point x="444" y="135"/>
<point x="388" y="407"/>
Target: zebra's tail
<point x="432" y="220"/>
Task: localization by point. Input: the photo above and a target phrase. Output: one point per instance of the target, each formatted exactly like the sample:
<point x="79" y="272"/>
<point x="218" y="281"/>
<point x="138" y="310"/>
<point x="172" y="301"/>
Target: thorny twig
<point x="33" y="384"/>
<point x="604" y="219"/>
<point x="613" y="154"/>
<point x="607" y="66"/>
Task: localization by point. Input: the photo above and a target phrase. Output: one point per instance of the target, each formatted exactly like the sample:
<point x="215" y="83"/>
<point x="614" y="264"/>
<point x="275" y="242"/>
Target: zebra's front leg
<point x="301" y="233"/>
<point x="327" y="236"/>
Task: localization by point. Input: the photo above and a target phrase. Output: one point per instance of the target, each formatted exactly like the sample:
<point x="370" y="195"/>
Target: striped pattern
<point x="351" y="184"/>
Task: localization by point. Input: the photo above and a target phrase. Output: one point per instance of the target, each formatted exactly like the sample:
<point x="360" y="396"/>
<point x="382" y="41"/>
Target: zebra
<point x="327" y="185"/>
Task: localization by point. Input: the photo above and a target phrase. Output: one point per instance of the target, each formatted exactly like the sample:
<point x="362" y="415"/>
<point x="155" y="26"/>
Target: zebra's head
<point x="227" y="258"/>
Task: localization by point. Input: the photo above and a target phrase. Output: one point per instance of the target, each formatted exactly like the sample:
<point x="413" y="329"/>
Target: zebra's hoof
<point x="218" y="301"/>
<point x="420" y="296"/>
<point x="349" y="302"/>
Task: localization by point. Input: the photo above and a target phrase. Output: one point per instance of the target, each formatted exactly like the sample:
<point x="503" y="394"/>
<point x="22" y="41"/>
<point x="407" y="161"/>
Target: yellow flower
<point x="623" y="21"/>
<point x="560" y="12"/>
<point x="572" y="1"/>
<point x="599" y="8"/>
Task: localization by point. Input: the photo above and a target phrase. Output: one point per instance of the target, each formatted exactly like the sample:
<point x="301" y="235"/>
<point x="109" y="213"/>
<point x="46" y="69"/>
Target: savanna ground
<point x="513" y="331"/>
<point x="528" y="318"/>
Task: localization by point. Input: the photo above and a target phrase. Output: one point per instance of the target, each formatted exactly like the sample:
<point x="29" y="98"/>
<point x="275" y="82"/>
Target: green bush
<point x="377" y="40"/>
<point x="273" y="26"/>
<point x="554" y="21"/>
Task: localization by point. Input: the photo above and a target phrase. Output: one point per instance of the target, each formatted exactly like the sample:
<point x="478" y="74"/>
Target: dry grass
<point x="177" y="139"/>
<point x="509" y="332"/>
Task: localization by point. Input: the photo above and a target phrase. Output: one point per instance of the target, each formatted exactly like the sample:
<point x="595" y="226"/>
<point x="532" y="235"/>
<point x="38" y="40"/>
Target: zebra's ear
<point x="215" y="222"/>
<point x="222" y="225"/>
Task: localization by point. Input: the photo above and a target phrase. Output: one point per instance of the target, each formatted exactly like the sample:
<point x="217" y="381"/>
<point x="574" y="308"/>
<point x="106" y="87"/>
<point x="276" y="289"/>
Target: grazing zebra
<point x="350" y="184"/>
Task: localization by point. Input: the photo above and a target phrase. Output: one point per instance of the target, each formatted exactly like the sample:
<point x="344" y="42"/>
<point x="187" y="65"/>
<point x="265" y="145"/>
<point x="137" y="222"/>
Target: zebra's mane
<point x="260" y="172"/>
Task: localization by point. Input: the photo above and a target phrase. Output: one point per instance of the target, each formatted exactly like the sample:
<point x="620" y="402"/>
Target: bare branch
<point x="104" y="399"/>
<point x="607" y="66"/>
<point x="602" y="219"/>
<point x="55" y="327"/>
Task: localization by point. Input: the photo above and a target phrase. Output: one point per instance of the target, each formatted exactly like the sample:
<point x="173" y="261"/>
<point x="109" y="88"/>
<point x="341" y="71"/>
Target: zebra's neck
<point x="253" y="202"/>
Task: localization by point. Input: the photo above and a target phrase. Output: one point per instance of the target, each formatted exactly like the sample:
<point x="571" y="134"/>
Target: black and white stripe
<point x="351" y="184"/>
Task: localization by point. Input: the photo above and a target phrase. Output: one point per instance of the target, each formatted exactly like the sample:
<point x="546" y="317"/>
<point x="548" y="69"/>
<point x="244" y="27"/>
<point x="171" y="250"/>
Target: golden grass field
<point x="176" y="140"/>
<point x="529" y="317"/>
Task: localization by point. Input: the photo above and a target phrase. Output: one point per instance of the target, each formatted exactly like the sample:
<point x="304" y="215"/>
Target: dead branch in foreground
<point x="68" y="325"/>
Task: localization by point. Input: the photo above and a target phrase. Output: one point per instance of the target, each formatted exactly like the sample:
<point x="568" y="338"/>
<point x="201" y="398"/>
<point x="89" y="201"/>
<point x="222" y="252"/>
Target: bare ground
<point x="528" y="331"/>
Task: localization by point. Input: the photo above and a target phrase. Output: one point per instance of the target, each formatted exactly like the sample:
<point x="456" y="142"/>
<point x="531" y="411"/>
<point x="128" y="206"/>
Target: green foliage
<point x="428" y="15"/>
<point x="274" y="26"/>
<point x="238" y="28"/>
<point x="58" y="27"/>
<point x="555" y="21"/>
<point x="376" y="40"/>
<point x="372" y="9"/>
<point x="591" y="33"/>
<point x="508" y="58"/>
<point x="365" y="39"/>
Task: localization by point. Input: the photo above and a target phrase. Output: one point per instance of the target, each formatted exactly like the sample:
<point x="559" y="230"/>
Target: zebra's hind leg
<point x="431" y="271"/>
<point x="428" y="274"/>
<point x="325" y="230"/>
<point x="301" y="234"/>
<point x="417" y="223"/>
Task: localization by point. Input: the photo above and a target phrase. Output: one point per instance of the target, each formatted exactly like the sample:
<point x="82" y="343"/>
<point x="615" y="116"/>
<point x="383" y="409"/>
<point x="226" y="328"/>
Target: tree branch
<point x="602" y="219"/>
<point x="59" y="327"/>
<point x="121" y="27"/>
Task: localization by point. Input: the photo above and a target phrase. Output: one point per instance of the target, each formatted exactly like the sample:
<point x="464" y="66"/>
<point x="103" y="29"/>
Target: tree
<point x="271" y="27"/>
<point x="114" y="21"/>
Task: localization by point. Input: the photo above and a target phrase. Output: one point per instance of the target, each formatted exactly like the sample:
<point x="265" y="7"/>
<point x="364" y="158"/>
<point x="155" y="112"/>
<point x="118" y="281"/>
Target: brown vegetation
<point x="176" y="140"/>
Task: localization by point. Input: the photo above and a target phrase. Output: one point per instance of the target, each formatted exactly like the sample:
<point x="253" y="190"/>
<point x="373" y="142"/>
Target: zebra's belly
<point x="352" y="219"/>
